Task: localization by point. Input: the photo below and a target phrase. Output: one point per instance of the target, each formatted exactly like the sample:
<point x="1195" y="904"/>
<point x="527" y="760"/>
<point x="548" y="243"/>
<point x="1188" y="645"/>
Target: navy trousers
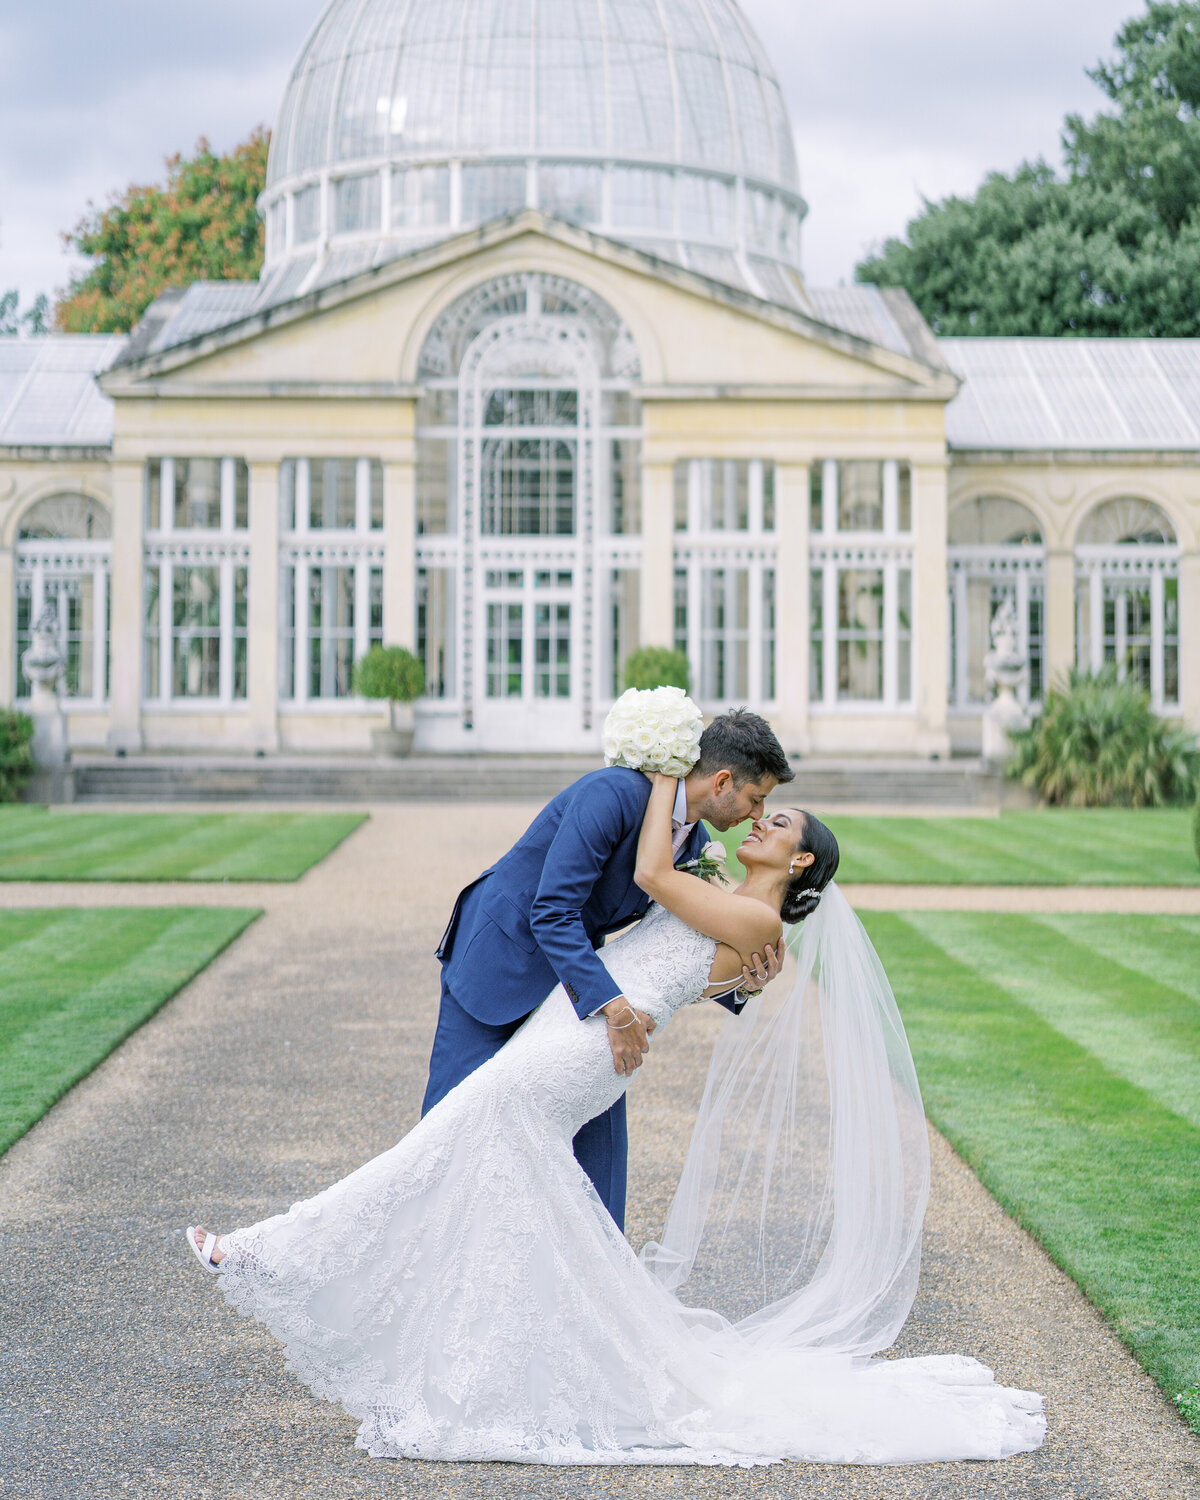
<point x="461" y="1044"/>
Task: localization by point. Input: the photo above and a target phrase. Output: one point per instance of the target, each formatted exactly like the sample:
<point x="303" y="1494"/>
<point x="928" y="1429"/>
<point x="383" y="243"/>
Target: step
<point x="180" y="778"/>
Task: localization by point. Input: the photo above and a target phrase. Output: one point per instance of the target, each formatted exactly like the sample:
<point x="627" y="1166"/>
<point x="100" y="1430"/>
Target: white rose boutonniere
<point x="711" y="864"/>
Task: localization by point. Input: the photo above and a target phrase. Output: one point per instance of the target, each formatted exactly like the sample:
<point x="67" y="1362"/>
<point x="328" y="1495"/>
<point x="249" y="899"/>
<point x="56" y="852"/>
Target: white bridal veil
<point x="798" y="1215"/>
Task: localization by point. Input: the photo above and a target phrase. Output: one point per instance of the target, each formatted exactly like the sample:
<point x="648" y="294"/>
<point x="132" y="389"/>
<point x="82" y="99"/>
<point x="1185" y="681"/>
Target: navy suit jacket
<point x="537" y="917"/>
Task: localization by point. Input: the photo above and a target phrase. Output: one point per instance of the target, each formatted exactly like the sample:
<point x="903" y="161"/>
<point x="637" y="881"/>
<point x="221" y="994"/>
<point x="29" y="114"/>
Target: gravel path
<point x="299" y="1053"/>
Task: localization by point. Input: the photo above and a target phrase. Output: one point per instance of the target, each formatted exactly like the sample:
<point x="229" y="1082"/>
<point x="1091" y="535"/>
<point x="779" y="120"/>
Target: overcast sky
<point x="890" y="99"/>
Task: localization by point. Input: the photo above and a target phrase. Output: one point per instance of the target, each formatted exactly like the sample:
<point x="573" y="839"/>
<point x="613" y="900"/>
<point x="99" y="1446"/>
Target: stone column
<point x="8" y="621"/>
<point x="931" y="615"/>
<point x="657" y="600"/>
<point x="1060" y="614"/>
<point x="264" y="621"/>
<point x="128" y="541"/>
<point x="792" y="607"/>
<point x="1189" y="639"/>
<point x="400" y="554"/>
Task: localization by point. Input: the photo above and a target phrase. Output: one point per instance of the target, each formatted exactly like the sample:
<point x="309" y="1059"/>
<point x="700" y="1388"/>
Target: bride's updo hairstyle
<point x="804" y="889"/>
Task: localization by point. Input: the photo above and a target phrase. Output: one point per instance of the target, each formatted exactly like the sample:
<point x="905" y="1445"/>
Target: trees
<point x="35" y="319"/>
<point x="1111" y="247"/>
<point x="203" y="225"/>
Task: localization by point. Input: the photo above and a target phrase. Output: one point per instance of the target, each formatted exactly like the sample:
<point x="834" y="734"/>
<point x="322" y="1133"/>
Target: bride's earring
<point x="792" y="868"/>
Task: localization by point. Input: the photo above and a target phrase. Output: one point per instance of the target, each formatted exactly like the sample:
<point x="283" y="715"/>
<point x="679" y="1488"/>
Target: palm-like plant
<point x="1099" y="744"/>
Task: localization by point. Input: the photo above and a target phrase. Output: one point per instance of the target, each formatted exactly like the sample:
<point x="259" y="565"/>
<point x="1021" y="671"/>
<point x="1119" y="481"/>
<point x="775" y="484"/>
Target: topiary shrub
<point x="390" y="672"/>
<point x="655" y="666"/>
<point x="1098" y="743"/>
<point x="16" y="753"/>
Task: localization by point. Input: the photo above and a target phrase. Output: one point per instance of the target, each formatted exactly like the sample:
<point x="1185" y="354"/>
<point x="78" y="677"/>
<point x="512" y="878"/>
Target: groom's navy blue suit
<point x="536" y="919"/>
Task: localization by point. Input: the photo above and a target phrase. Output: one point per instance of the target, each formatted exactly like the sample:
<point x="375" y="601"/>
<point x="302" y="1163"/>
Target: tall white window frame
<point x="880" y="561"/>
<point x="60" y="564"/>
<point x="726" y="560"/>
<point x="331" y="579"/>
<point x="196" y="590"/>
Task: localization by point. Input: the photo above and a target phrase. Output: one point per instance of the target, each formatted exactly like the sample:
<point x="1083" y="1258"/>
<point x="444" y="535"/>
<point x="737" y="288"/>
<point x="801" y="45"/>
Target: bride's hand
<point x="657" y="779"/>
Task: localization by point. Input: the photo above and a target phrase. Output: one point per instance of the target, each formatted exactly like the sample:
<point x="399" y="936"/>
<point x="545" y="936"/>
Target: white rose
<point x="714" y="851"/>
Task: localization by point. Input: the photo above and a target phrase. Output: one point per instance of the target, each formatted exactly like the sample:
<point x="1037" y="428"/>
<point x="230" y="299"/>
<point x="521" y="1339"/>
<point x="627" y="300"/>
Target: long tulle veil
<point x="797" y="1219"/>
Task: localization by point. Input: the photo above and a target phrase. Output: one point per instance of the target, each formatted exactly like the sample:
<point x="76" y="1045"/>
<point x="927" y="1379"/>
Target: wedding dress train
<point x="466" y="1296"/>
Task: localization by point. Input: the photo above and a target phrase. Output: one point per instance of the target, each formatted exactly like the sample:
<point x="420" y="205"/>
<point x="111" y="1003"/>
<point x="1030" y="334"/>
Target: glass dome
<point x="659" y="123"/>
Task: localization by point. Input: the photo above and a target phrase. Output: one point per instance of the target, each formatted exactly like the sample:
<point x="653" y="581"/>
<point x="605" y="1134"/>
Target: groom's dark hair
<point x="744" y="744"/>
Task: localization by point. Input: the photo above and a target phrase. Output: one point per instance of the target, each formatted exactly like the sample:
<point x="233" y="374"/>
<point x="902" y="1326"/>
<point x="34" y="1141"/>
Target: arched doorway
<point x="528" y="463"/>
<point x="996" y="553"/>
<point x="1127" y="596"/>
<point x="63" y="562"/>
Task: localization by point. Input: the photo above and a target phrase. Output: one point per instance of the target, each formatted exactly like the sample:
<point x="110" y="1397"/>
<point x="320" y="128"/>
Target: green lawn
<point x="40" y="845"/>
<point x="1068" y="846"/>
<point x="1061" y="1057"/>
<point x="74" y="984"/>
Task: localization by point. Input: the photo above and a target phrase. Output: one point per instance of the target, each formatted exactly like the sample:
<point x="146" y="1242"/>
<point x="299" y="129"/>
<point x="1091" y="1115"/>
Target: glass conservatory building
<point x="530" y="378"/>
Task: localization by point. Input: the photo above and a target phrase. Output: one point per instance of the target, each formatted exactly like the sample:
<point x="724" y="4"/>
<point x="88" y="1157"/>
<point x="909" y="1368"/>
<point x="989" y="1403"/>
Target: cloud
<point x="889" y="101"/>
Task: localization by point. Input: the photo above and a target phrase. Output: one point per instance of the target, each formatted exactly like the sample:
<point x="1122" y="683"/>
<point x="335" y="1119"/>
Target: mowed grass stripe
<point x="1167" y="949"/>
<point x="37" y="845"/>
<point x="1096" y="1168"/>
<point x="1106" y="846"/>
<point x="74" y="984"/>
<point x="1145" y="1032"/>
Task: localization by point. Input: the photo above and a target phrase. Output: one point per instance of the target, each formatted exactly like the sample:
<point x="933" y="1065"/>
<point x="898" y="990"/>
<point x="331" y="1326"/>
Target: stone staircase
<point x="179" y="778"/>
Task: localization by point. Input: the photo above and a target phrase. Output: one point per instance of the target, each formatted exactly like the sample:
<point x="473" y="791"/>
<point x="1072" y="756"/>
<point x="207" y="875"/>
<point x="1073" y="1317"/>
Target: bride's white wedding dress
<point x="466" y="1296"/>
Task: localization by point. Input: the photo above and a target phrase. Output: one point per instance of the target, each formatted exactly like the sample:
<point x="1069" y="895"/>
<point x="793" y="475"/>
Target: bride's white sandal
<point x="204" y="1256"/>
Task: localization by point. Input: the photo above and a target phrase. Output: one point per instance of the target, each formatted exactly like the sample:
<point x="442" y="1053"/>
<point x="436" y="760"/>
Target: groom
<point x="537" y="917"/>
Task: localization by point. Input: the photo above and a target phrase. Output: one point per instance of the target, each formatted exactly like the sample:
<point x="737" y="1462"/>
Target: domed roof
<point x="657" y="122"/>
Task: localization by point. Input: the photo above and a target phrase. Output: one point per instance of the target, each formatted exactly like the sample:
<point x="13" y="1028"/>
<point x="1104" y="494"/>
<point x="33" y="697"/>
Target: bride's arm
<point x="744" y="925"/>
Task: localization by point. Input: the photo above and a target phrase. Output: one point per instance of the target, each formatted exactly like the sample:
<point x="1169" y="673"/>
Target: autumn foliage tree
<point x="202" y="226"/>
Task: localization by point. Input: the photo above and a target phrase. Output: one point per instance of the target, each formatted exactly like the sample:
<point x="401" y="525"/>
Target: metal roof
<point x="48" y="392"/>
<point x="860" y="310"/>
<point x="1063" y="393"/>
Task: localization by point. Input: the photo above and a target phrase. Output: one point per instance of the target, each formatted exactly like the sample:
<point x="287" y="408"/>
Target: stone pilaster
<point x="657" y="601"/>
<point x="1060" y="614"/>
<point x="400" y="554"/>
<point x="931" y="616"/>
<point x="128" y="607"/>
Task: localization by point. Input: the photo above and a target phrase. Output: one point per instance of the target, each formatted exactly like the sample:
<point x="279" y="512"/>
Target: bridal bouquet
<point x="653" y="729"/>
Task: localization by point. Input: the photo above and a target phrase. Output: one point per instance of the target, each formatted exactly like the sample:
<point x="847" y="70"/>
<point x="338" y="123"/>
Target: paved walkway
<point x="299" y="1053"/>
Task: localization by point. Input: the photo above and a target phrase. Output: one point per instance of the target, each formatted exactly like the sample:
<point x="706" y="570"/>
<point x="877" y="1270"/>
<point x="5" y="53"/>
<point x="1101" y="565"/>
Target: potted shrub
<point x="395" y="674"/>
<point x="655" y="667"/>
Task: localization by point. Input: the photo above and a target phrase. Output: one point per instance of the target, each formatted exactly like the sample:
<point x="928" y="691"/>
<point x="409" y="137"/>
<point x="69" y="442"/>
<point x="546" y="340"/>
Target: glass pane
<point x="357" y="204"/>
<point x="860" y="634"/>
<point x="504" y="650"/>
<point x="816" y="634"/>
<point x="421" y="198"/>
<point x="571" y="192"/>
<point x="152" y="618"/>
<point x="436" y="474"/>
<point x="768" y="645"/>
<point x="528" y="487"/>
<point x="552" y="651"/>
<point x="624" y="622"/>
<point x="860" y="496"/>
<point x="332" y="493"/>
<point x="904" y="508"/>
<point x="331" y="597"/>
<point x="705" y="208"/>
<point x="375" y="479"/>
<point x="197" y="494"/>
<point x="492" y="191"/>
<point x="154" y="494"/>
<point x="196" y="633"/>
<point x="287" y="494"/>
<point x="681" y="610"/>
<point x="643" y="198"/>
<point x="241" y="620"/>
<point x="626" y="475"/>
<point x="507" y="408"/>
<point x="287" y="652"/>
<point x="435" y="629"/>
<point x="816" y="510"/>
<point x="25" y="632"/>
<point x="241" y="495"/>
<point x="306" y="224"/>
<point x="1037" y="647"/>
<point x="681" y="497"/>
<point x="768" y="507"/>
<point x="904" y="635"/>
<point x="375" y="608"/>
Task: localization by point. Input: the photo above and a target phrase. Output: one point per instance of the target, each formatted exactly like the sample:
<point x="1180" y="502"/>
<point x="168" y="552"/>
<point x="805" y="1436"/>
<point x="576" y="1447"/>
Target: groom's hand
<point x="628" y="1034"/>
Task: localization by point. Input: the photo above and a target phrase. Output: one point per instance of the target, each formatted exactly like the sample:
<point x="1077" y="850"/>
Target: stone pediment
<point x="360" y="338"/>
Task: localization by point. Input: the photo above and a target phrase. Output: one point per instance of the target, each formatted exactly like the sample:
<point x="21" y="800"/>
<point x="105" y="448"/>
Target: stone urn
<point x="1007" y="670"/>
<point x="44" y="666"/>
<point x="397" y="738"/>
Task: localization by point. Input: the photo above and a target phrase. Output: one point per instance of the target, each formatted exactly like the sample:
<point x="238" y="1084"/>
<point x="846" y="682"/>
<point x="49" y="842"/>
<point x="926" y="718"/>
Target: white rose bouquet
<point x="653" y="729"/>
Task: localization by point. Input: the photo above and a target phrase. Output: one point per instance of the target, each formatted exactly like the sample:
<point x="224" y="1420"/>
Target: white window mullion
<point x="99" y="633"/>
<point x="891" y="626"/>
<point x="166" y="498"/>
<point x="1023" y="629"/>
<point x="362" y="608"/>
<point x="1156" y="640"/>
<point x="831" y="632"/>
<point x="1096" y="618"/>
<point x="225" y="615"/>
<point x="962" y="644"/>
<point x="756" y="645"/>
<point x="166" y="630"/>
<point x="695" y="617"/>
<point x="302" y="632"/>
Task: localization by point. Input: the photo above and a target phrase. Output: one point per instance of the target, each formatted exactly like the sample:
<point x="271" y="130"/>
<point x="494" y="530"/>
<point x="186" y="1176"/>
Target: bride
<point x="466" y="1295"/>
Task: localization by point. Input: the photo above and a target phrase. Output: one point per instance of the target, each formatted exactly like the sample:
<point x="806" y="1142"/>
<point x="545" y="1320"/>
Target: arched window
<point x="528" y="513"/>
<point x="63" y="562"/>
<point x="995" y="553"/>
<point x="1127" y="595"/>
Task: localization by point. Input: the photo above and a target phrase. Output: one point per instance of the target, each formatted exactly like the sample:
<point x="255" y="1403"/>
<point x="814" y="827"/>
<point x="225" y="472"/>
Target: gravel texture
<point x="299" y="1053"/>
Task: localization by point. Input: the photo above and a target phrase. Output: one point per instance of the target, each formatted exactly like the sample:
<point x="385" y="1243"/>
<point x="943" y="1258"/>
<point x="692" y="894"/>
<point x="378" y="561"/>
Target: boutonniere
<point x="710" y="865"/>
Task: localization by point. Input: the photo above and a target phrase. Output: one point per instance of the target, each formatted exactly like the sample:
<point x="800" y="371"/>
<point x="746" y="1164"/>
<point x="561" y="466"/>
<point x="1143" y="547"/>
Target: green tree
<point x="35" y="319"/>
<point x="1110" y="247"/>
<point x="202" y="226"/>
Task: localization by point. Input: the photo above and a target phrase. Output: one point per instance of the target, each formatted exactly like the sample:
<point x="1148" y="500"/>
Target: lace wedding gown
<point x="466" y="1296"/>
